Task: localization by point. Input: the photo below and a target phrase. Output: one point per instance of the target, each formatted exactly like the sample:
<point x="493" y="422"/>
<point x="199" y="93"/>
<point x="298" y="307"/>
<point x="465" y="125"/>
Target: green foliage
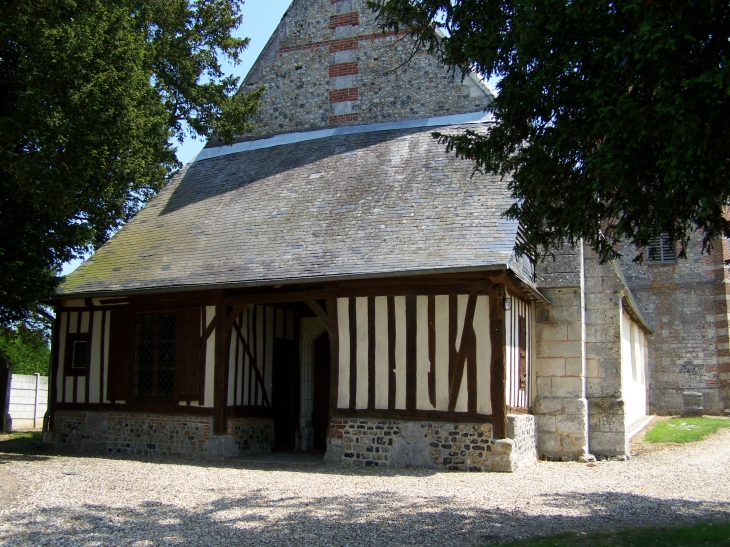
<point x="26" y="349"/>
<point x="613" y="117"/>
<point x="698" y="535"/>
<point x="91" y="94"/>
<point x="684" y="430"/>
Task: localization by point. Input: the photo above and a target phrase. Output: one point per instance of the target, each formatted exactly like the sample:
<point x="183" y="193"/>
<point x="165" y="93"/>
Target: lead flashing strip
<point x="291" y="138"/>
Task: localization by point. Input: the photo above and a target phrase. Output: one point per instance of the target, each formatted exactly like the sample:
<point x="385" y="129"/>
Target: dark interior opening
<point x="285" y="390"/>
<point x="320" y="413"/>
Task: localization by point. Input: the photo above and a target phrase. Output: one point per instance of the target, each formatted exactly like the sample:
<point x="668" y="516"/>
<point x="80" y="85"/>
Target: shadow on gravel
<point x="380" y="519"/>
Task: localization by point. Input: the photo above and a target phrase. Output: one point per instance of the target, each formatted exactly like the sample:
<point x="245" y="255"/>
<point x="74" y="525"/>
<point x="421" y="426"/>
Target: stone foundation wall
<point x="562" y="424"/>
<point x="608" y="427"/>
<point x="127" y="433"/>
<point x="436" y="445"/>
<point x="159" y="435"/>
<point x="252" y="436"/>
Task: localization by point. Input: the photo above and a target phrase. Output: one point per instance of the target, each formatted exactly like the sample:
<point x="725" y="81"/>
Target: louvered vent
<point x="662" y="250"/>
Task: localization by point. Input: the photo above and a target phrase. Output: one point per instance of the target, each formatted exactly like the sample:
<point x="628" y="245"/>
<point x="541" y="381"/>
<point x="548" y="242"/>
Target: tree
<point x="613" y="117"/>
<point x="26" y="348"/>
<point x="92" y="92"/>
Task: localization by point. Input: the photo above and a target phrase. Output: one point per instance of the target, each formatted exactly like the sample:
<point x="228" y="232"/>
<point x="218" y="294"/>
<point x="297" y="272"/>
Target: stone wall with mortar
<point x="252" y="436"/>
<point x="432" y="444"/>
<point x="560" y="406"/>
<point x="158" y="435"/>
<point x="329" y="64"/>
<point x="607" y="427"/>
<point x="686" y="304"/>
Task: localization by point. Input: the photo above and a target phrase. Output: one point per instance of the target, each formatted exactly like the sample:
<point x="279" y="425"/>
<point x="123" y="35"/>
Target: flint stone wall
<point x="435" y="445"/>
<point x="158" y="435"/>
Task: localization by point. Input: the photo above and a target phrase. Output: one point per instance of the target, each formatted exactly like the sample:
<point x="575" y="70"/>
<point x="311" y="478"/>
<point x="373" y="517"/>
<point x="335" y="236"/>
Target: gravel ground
<point x="64" y="501"/>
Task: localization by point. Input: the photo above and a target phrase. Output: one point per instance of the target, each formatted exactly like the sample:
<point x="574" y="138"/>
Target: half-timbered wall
<point x="413" y="353"/>
<point x="99" y="330"/>
<point x="250" y="364"/>
<point x="87" y="385"/>
<point x="518" y="328"/>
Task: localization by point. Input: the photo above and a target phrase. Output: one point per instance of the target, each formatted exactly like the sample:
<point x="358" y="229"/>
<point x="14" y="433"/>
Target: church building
<point x="335" y="281"/>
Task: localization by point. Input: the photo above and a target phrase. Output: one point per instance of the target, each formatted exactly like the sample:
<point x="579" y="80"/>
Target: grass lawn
<point x="684" y="430"/>
<point x="29" y="435"/>
<point x="708" y="533"/>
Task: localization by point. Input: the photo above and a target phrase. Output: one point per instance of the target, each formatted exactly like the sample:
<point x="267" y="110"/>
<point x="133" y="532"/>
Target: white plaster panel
<point x="400" y="352"/>
<point x="509" y="349"/>
<point x="95" y="365"/>
<point x="343" y="327"/>
<point x="81" y="389"/>
<point x="361" y="318"/>
<point x="279" y="323"/>
<point x="105" y="363"/>
<point x="268" y="377"/>
<point x="69" y="389"/>
<point x="381" y="352"/>
<point x="243" y="378"/>
<point x="484" y="355"/>
<point x="232" y="368"/>
<point x="85" y="318"/>
<point x="61" y="357"/>
<point x="73" y="322"/>
<point x="209" y="359"/>
<point x="442" y="352"/>
<point x="423" y="364"/>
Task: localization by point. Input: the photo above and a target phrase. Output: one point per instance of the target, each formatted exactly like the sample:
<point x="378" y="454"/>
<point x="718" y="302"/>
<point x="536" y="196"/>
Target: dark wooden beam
<point x="498" y="366"/>
<point x="467" y="332"/>
<point x="220" y="397"/>
<point x="430" y="415"/>
<point x="334" y="351"/>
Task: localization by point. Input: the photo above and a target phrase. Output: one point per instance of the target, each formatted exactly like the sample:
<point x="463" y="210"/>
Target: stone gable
<point x="328" y="64"/>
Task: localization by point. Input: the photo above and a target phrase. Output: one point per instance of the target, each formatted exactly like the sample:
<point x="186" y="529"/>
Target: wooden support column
<point x="220" y="397"/>
<point x="498" y="368"/>
<point x="334" y="351"/>
<point x="53" y="379"/>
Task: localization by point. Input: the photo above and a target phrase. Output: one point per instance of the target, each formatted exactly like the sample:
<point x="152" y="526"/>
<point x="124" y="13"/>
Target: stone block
<point x="574" y="366"/>
<point x="567" y="387"/>
<point x="549" y="444"/>
<point x="550" y="366"/>
<point x="576" y="406"/>
<point x="603" y="387"/>
<point x="549" y="405"/>
<point x="570" y="423"/>
<point x="575" y="330"/>
<point x="545" y="424"/>
<point x="608" y="444"/>
<point x="559" y="349"/>
<point x="552" y="331"/>
<point x="543" y="386"/>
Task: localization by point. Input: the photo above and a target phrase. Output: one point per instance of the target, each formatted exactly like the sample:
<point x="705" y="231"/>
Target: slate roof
<point x="346" y="206"/>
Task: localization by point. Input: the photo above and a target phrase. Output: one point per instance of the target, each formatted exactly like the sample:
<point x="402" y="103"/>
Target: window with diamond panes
<point x="155" y="355"/>
<point x="78" y="355"/>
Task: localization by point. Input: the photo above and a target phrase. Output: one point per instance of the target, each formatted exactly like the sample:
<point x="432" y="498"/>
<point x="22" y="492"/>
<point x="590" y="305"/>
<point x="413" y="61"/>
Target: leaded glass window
<point x="155" y="354"/>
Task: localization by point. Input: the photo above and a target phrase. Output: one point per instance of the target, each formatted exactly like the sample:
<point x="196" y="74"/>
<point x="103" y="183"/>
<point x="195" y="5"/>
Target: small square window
<point x="77" y="354"/>
<point x="662" y="250"/>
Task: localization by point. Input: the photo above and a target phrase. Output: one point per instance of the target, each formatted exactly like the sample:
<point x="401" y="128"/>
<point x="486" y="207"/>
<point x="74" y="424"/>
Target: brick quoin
<point x="343" y="118"/>
<point x="343" y="69"/>
<point x="344" y="19"/>
<point x="340" y="95"/>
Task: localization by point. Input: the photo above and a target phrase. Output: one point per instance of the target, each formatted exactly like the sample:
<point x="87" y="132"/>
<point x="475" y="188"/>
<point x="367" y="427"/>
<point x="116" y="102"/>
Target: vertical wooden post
<point x="498" y="367"/>
<point x="53" y="376"/>
<point x="220" y="397"/>
<point x="334" y="334"/>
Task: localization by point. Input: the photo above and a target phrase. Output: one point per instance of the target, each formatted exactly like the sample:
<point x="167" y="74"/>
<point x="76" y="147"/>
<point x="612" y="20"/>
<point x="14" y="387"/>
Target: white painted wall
<point x="633" y="370"/>
<point x="28" y="400"/>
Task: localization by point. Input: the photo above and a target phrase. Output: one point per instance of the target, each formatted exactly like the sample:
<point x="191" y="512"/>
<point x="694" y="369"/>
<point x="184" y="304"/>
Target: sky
<point x="260" y="18"/>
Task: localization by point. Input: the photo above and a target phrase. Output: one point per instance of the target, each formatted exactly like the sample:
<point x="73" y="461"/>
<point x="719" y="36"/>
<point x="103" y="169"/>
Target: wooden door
<point x="320" y="415"/>
<point x="285" y="393"/>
